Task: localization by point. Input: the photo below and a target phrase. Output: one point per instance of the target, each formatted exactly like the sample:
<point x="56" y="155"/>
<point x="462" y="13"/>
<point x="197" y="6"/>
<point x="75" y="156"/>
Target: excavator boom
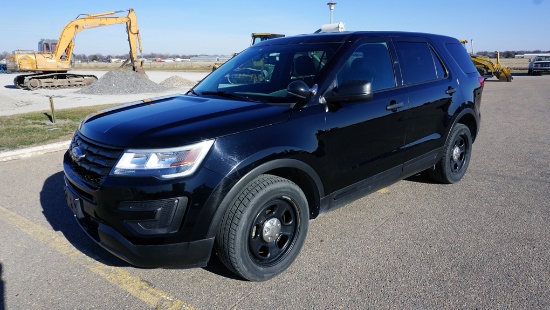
<point x="65" y="43"/>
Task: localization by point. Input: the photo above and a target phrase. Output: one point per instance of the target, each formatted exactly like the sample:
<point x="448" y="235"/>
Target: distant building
<point x="531" y="56"/>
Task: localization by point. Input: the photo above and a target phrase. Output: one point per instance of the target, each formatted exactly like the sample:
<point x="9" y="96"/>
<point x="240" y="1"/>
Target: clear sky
<point x="224" y="26"/>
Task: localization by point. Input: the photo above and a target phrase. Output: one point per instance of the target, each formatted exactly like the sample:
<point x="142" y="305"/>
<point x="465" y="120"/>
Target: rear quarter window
<point x="419" y="63"/>
<point x="461" y="57"/>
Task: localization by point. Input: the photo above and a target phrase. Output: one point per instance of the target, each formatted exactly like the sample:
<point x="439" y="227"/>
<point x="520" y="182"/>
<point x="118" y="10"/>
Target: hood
<point x="180" y="120"/>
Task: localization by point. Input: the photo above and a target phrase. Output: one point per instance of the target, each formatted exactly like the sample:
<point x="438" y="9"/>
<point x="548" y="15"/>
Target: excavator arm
<point x="65" y="44"/>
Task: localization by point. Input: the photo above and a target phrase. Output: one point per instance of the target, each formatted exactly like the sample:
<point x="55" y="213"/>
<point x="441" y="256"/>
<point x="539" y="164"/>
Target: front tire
<point x="456" y="157"/>
<point x="264" y="228"/>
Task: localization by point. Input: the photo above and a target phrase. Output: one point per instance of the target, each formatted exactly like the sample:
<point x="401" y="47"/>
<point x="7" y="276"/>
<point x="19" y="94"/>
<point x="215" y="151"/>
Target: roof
<point x="338" y="37"/>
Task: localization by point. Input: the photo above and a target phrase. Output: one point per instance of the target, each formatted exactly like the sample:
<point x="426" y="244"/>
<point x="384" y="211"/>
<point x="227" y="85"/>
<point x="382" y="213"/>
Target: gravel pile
<point x="177" y="82"/>
<point x="120" y="82"/>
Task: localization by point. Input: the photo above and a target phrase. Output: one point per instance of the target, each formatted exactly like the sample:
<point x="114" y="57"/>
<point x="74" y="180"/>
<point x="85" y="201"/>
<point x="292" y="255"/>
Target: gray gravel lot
<point x="15" y="101"/>
<point x="483" y="243"/>
<point x="121" y="82"/>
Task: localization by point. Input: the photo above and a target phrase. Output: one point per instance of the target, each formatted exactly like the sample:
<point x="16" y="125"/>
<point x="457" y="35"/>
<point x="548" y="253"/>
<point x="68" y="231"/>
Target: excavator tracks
<point x="53" y="80"/>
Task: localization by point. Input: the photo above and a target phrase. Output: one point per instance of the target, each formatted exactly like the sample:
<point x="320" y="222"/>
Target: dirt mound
<point x="177" y="82"/>
<point x="120" y="82"/>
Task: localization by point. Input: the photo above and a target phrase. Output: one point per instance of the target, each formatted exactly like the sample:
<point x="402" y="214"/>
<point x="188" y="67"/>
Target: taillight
<point x="481" y="81"/>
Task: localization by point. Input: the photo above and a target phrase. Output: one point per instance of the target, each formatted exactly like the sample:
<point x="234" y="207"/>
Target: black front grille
<point x="95" y="162"/>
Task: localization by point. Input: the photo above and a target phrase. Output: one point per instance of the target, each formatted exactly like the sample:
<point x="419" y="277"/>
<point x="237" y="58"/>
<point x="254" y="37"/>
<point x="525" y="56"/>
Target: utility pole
<point x="331" y="5"/>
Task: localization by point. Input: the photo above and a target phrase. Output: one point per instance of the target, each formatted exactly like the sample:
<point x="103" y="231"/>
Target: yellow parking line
<point x="153" y="297"/>
<point x="385" y="190"/>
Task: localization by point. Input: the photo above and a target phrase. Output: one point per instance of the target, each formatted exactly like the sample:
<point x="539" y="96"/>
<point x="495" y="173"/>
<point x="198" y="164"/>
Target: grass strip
<point x="36" y="128"/>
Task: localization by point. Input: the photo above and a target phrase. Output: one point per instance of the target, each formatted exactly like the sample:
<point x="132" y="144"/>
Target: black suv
<point x="288" y="129"/>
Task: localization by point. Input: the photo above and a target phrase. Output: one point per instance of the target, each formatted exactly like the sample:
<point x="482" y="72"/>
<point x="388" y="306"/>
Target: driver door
<point x="365" y="138"/>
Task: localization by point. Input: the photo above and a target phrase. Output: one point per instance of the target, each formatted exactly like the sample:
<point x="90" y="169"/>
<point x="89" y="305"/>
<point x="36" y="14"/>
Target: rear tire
<point x="456" y="157"/>
<point x="264" y="228"/>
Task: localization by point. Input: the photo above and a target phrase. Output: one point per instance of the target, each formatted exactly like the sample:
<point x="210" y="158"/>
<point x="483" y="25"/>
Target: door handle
<point x="394" y="105"/>
<point x="450" y="90"/>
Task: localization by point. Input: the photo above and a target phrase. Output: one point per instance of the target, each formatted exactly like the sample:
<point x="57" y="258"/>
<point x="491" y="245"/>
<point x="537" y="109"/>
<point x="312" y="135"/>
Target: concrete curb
<point x="37" y="150"/>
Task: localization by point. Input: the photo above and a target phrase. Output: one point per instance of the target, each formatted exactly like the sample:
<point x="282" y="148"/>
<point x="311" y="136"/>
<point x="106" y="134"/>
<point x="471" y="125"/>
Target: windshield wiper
<point x="192" y="92"/>
<point x="227" y="95"/>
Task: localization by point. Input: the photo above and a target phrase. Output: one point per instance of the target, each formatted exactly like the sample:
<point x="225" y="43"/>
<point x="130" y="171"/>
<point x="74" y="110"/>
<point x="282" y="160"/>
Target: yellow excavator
<point x="487" y="68"/>
<point x="51" y="63"/>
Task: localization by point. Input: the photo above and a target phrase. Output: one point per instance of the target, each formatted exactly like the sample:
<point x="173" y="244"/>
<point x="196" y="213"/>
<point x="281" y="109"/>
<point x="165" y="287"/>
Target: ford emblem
<point x="77" y="154"/>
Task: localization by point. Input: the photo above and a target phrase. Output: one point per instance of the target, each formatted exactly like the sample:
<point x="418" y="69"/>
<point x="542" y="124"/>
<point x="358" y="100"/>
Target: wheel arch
<point x="468" y="118"/>
<point x="294" y="170"/>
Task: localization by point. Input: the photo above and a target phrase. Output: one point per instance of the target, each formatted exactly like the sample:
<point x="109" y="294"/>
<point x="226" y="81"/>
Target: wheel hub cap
<point x="456" y="153"/>
<point x="271" y="230"/>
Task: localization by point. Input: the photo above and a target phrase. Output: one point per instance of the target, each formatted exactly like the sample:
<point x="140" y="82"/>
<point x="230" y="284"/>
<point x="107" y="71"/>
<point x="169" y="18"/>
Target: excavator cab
<point x="47" y="46"/>
<point x="262" y="36"/>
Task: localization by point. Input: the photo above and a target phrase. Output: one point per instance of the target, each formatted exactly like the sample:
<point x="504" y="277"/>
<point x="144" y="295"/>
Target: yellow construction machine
<point x="262" y="36"/>
<point x="256" y="38"/>
<point x="54" y="58"/>
<point x="487" y="68"/>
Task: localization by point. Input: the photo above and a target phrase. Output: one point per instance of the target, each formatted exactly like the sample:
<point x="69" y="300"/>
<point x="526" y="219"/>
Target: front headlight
<point x="162" y="163"/>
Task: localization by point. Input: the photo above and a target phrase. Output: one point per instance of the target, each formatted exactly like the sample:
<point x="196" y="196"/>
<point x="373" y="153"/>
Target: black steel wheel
<point x="456" y="157"/>
<point x="272" y="231"/>
<point x="264" y="229"/>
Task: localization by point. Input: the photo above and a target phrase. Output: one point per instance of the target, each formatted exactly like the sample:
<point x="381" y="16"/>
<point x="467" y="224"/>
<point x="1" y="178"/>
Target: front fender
<point x="232" y="185"/>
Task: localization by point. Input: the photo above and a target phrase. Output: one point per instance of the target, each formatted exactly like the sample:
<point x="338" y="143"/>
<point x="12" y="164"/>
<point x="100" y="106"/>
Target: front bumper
<point x="182" y="254"/>
<point x="143" y="220"/>
<point x="541" y="67"/>
<point x="185" y="255"/>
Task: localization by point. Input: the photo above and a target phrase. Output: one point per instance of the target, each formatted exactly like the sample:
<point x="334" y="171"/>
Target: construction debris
<point x="120" y="82"/>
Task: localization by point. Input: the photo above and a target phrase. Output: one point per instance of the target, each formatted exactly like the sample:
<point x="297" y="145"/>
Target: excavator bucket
<point x="504" y="75"/>
<point x="138" y="67"/>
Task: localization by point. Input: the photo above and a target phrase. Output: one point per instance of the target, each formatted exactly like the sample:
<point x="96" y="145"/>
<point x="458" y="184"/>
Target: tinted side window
<point x="370" y="62"/>
<point x="459" y="54"/>
<point x="418" y="62"/>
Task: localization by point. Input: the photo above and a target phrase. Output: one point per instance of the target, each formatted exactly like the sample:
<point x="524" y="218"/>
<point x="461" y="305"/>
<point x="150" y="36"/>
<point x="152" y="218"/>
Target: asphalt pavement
<point x="481" y="243"/>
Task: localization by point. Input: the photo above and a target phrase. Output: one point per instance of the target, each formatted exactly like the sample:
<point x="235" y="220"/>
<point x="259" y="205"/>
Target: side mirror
<point x="354" y="90"/>
<point x="300" y="89"/>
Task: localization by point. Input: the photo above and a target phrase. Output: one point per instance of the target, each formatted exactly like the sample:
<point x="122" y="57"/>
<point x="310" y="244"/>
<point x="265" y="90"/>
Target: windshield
<point x="262" y="74"/>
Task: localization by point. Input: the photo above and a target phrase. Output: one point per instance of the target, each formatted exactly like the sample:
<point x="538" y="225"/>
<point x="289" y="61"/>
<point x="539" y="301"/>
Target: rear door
<point x="431" y="89"/>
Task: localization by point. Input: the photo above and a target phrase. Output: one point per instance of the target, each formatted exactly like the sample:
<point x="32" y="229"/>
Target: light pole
<point x="331" y="5"/>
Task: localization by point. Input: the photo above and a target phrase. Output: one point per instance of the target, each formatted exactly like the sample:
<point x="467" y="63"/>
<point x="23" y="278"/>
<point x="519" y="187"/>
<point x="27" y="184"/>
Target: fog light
<point x="153" y="217"/>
